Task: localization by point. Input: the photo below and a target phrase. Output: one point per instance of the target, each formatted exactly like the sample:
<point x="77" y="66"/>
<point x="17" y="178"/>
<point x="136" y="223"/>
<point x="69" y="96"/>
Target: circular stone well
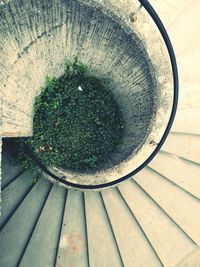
<point x="37" y="36"/>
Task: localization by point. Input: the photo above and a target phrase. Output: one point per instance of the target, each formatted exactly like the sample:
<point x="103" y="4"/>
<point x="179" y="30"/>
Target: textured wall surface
<point x="37" y="36"/>
<point x="99" y="42"/>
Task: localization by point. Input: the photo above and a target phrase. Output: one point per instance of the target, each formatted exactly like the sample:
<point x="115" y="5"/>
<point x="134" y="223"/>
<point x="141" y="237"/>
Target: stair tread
<point x="183" y="145"/>
<point x="100" y="236"/>
<point x="131" y="241"/>
<point x="72" y="249"/>
<point x="190" y="99"/>
<point x="180" y="206"/>
<point x="183" y="173"/>
<point x="170" y="243"/>
<point x="170" y="11"/>
<point x="187" y="121"/>
<point x="13" y="195"/>
<point x="10" y="169"/>
<point x="46" y="232"/>
<point x="15" y="234"/>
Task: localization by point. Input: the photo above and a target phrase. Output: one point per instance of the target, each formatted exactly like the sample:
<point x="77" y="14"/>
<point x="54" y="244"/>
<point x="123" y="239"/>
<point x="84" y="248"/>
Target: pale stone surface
<point x="73" y="241"/>
<point x="170" y="243"/>
<point x="181" y="172"/>
<point x="189" y="67"/>
<point x="158" y="188"/>
<point x="14" y="194"/>
<point x="131" y="240"/>
<point x="98" y="223"/>
<point x="46" y="236"/>
<point x="42" y="35"/>
<point x="17" y="231"/>
<point x="191" y="260"/>
<point x="187" y="121"/>
<point x="170" y="11"/>
<point x="183" y="145"/>
<point x="182" y="22"/>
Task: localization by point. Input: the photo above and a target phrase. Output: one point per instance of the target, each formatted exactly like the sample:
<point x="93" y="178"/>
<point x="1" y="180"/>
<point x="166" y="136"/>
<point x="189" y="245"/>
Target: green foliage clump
<point x="77" y="122"/>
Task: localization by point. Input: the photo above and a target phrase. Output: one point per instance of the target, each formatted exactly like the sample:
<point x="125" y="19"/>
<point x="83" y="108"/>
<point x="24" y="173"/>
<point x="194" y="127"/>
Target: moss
<point x="77" y="122"/>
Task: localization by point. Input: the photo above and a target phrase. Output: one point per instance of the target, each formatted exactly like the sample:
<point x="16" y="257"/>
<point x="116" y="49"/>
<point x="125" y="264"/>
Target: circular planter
<point x="133" y="55"/>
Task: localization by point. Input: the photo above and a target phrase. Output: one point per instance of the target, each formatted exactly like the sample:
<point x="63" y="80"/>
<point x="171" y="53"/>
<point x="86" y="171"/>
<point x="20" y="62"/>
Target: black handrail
<point x="167" y="41"/>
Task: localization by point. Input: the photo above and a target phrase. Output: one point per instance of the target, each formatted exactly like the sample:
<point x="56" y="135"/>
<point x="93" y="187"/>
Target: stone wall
<point x="37" y="36"/>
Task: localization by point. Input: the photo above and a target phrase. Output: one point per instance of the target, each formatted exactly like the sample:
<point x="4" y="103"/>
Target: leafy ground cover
<point x="77" y="122"/>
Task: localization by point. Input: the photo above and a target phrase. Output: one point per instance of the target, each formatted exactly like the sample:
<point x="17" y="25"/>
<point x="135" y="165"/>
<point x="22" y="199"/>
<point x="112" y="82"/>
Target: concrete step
<point x="100" y="234"/>
<point x="183" y="145"/>
<point x="15" y="235"/>
<point x="42" y="249"/>
<point x="189" y="95"/>
<point x="131" y="239"/>
<point x="170" y="11"/>
<point x="183" y="173"/>
<point x="168" y="240"/>
<point x="192" y="260"/>
<point x="184" y="27"/>
<point x="183" y="208"/>
<point x="72" y="250"/>
<point x="11" y="170"/>
<point x="187" y="121"/>
<point x="182" y="21"/>
<point x="13" y="195"/>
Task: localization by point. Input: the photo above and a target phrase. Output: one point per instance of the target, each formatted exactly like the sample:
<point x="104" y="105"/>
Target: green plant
<point x="77" y="122"/>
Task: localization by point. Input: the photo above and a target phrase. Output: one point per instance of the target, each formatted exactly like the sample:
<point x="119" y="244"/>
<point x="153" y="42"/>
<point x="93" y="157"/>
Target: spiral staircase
<point x="152" y="219"/>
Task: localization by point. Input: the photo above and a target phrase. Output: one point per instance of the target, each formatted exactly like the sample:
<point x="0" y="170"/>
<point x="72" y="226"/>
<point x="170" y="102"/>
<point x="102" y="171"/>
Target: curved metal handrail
<point x="168" y="44"/>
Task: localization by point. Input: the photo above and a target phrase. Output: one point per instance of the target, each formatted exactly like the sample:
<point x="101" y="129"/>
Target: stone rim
<point x="169" y="47"/>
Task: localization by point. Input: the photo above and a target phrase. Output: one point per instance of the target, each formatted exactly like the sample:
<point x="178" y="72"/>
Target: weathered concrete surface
<point x="13" y="195"/>
<point x="108" y="252"/>
<point x="16" y="232"/>
<point x="133" y="244"/>
<point x="36" y="37"/>
<point x="173" y="244"/>
<point x="156" y="186"/>
<point x="156" y="219"/>
<point x="191" y="260"/>
<point x="73" y="249"/>
<point x="183" y="145"/>
<point x="182" y="172"/>
<point x="46" y="237"/>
